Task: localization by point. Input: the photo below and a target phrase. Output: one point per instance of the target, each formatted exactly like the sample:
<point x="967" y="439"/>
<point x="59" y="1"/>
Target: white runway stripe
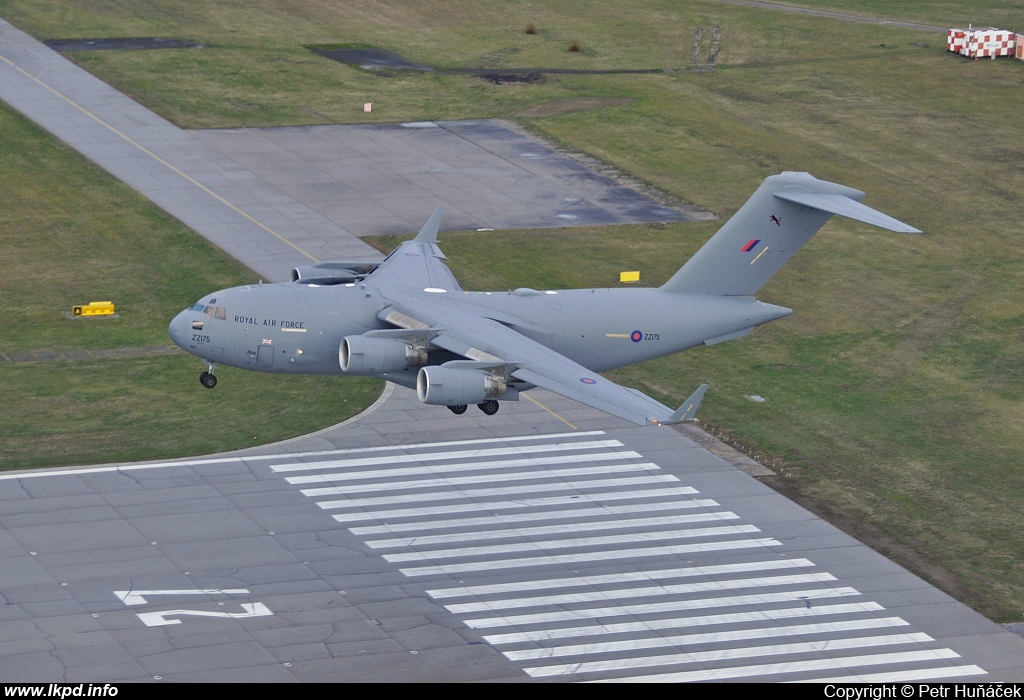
<point x="831" y="645"/>
<point x="480" y="479"/>
<point x="459" y="552"/>
<point x="509" y="518"/>
<point x="609" y="595"/>
<point x="602" y="556"/>
<point x="705" y="638"/>
<point x="906" y="676"/>
<point x="624" y="577"/>
<point x="657" y="608"/>
<point x="665" y="479"/>
<point x="683" y="622"/>
<point x="427" y="445"/>
<point x="778" y="668"/>
<point x="540" y="502"/>
<point x="435" y="469"/>
<point x="444" y="456"/>
<point x="476" y="536"/>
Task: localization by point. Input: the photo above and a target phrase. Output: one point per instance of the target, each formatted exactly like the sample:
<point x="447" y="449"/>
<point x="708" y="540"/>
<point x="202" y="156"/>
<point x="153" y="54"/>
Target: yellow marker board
<point x="629" y="276"/>
<point x="94" y="308"/>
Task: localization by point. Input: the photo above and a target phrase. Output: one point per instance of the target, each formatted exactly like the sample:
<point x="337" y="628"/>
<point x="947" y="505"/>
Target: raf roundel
<point x="588" y="380"/>
<point x="636" y="336"/>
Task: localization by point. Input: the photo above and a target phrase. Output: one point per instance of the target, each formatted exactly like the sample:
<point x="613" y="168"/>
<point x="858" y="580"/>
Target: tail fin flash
<point x="777" y="220"/>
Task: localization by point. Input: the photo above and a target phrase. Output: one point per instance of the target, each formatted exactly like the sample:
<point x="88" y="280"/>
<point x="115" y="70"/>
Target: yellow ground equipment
<point x="94" y="308"/>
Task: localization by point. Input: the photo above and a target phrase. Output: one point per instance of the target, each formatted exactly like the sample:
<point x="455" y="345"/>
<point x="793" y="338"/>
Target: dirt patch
<point x="137" y="43"/>
<point x="368" y="58"/>
<point x="712" y="52"/>
<point x="569" y="105"/>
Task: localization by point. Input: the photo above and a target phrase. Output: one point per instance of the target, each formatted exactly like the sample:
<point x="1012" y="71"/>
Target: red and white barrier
<point x="982" y="43"/>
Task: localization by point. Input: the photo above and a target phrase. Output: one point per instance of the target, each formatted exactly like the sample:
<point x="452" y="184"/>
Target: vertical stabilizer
<point x="777" y="220"/>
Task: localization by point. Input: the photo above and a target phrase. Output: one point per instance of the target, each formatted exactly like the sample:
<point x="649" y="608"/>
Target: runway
<point x="414" y="545"/>
<point x="547" y="543"/>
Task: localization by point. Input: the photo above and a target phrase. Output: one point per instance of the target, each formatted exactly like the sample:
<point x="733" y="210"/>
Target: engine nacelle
<point x="327" y="273"/>
<point x="442" y="386"/>
<point x="359" y="354"/>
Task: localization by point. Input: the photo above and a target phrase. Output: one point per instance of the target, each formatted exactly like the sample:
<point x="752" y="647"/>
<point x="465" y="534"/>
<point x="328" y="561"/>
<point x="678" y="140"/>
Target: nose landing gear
<point x="207" y="379"/>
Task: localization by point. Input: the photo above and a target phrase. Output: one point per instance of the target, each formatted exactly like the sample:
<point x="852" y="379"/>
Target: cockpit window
<point x="217" y="312"/>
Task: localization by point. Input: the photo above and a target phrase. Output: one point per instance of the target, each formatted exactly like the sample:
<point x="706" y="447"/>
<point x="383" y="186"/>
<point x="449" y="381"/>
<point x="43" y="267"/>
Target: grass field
<point x="70" y="234"/>
<point x="893" y="393"/>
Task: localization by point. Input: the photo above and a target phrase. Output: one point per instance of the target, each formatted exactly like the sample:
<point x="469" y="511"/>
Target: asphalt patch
<point x="503" y="78"/>
<point x="130" y="43"/>
<point x="369" y="59"/>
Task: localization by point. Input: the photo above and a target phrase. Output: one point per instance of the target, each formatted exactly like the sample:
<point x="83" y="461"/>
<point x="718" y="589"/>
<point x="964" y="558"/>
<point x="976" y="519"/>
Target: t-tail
<point x="780" y="217"/>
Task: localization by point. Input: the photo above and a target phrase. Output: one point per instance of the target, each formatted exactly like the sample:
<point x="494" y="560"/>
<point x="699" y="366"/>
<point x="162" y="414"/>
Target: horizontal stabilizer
<point x="844" y="206"/>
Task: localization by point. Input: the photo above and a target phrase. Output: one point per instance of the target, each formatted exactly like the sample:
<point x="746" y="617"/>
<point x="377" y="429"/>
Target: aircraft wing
<point x="485" y="340"/>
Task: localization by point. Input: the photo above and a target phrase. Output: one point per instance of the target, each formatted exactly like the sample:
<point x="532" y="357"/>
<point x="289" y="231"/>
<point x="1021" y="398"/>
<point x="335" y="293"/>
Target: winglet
<point x="688" y="410"/>
<point x="429" y="231"/>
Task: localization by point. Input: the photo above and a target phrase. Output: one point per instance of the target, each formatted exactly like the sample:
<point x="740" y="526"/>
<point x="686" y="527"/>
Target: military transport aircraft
<point x="407" y="320"/>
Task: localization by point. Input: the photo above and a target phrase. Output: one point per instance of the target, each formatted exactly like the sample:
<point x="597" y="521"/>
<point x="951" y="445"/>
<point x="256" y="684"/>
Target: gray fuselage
<point x="296" y="328"/>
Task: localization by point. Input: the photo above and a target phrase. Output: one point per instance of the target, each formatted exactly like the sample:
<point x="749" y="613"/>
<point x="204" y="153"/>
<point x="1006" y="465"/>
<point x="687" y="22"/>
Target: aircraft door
<point x="265" y="357"/>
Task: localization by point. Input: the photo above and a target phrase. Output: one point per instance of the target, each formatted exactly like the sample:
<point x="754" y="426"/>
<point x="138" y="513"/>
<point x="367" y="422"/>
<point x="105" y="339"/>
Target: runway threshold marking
<point x="661" y="577"/>
<point x="155" y="157"/>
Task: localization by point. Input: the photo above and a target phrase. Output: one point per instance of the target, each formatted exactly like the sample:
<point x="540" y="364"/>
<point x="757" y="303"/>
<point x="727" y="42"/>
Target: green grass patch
<point x="102" y="411"/>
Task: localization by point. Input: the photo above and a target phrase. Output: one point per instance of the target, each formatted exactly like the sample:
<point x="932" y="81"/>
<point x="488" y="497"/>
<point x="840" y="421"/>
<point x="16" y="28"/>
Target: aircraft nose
<point x="179" y="330"/>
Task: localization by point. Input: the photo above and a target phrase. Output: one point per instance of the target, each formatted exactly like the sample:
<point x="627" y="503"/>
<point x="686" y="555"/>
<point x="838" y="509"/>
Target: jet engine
<point x="328" y="273"/>
<point x="442" y="386"/>
<point x="359" y="354"/>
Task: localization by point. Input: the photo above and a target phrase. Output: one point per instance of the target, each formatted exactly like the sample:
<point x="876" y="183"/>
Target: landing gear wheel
<point x="488" y="407"/>
<point x="458" y="410"/>
<point x="208" y="380"/>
